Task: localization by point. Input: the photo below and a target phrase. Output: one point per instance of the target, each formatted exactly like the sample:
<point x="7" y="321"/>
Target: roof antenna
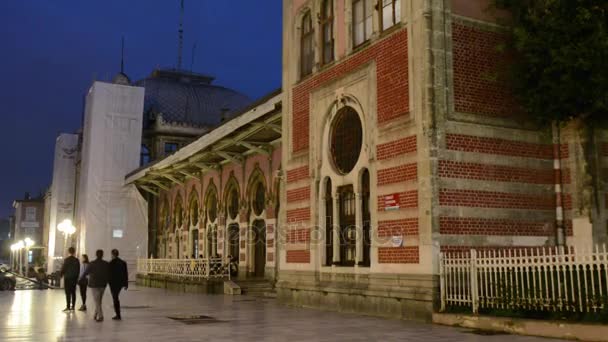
<point x="122" y="56"/>
<point x="193" y="54"/>
<point x="181" y="37"/>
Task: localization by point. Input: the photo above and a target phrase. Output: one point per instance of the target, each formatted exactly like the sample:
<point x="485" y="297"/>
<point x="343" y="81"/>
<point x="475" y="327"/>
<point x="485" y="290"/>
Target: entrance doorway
<point x="259" y="245"/>
<point x="194" y="234"/>
<point x="233" y="240"/>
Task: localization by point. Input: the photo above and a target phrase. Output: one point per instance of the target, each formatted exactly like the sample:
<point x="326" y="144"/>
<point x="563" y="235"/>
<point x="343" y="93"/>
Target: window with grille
<point x="307" y="54"/>
<point x="259" y="200"/>
<point x="329" y="224"/>
<point x="390" y="13"/>
<point x="346" y="139"/>
<point x="363" y="11"/>
<point x="348" y="231"/>
<point x="327" y="31"/>
<point x="366" y="216"/>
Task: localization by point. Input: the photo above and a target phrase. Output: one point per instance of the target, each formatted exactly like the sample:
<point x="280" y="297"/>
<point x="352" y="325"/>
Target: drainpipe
<point x="559" y="199"/>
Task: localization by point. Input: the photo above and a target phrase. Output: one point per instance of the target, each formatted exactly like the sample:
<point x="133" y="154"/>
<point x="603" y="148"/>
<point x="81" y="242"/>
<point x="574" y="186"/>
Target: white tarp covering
<point x="110" y="214"/>
<point x="62" y="193"/>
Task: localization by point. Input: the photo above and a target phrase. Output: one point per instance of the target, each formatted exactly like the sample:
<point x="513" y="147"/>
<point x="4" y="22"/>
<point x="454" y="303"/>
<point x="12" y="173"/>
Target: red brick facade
<point x="397" y="174"/>
<point x="298" y="257"/>
<point x="390" y="55"/>
<point x="396" y="148"/>
<point x="477" y="66"/>
<point x="405" y="227"/>
<point x="476" y="171"/>
<point x="493" y="199"/>
<point x="297" y="195"/>
<point x="399" y="255"/>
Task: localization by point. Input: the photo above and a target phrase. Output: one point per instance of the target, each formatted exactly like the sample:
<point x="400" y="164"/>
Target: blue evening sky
<point x="51" y="50"/>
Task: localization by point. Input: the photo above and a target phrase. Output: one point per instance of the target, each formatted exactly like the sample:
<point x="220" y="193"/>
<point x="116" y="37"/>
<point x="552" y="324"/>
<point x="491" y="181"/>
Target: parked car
<point x="4" y="267"/>
<point x="7" y="281"/>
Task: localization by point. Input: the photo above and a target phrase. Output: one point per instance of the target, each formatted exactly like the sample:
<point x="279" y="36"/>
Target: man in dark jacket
<point x="70" y="271"/>
<point x="98" y="272"/>
<point x="119" y="279"/>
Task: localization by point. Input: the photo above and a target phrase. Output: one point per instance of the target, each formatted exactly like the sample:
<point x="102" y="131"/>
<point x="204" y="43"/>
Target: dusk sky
<point x="53" y="49"/>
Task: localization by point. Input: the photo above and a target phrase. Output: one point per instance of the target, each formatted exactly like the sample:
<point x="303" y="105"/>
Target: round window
<point x="346" y="139"/>
<point x="259" y="199"/>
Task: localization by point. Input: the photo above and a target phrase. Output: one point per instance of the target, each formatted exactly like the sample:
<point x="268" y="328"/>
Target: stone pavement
<point x="34" y="315"/>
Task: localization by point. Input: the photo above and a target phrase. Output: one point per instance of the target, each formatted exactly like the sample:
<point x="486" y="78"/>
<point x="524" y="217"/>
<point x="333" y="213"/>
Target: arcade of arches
<point x="230" y="214"/>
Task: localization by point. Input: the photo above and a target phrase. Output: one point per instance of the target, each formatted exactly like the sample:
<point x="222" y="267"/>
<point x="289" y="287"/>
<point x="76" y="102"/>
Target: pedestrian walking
<point x="83" y="282"/>
<point x="119" y="279"/>
<point x="98" y="272"/>
<point x="69" y="272"/>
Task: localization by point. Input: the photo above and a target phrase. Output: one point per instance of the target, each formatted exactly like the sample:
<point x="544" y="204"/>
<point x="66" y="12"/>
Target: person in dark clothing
<point x="98" y="272"/>
<point x="70" y="271"/>
<point x="119" y="279"/>
<point x="83" y="282"/>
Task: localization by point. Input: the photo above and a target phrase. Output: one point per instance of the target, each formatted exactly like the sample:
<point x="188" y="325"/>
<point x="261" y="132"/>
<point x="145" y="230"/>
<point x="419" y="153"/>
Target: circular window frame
<point x="342" y="162"/>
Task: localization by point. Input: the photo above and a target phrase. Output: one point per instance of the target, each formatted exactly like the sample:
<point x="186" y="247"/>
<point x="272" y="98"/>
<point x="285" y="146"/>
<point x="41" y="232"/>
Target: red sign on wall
<point x="391" y="202"/>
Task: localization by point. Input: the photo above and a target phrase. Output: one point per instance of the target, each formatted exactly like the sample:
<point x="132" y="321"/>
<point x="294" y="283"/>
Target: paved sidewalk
<point x="33" y="315"/>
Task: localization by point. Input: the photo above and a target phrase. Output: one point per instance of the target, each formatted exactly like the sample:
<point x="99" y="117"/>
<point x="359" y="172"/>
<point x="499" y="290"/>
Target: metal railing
<point x="530" y="279"/>
<point x="185" y="268"/>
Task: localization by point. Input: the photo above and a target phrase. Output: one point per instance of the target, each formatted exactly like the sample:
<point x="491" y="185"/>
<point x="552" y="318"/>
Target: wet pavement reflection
<point x="35" y="315"/>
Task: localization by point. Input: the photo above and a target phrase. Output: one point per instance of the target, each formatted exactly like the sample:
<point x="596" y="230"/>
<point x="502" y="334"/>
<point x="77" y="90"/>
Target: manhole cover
<point x="195" y="319"/>
<point x="486" y="332"/>
<point x="135" y="306"/>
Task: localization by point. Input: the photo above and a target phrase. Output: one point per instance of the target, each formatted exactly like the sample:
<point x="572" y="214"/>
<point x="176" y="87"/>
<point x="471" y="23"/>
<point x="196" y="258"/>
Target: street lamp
<point x="67" y="228"/>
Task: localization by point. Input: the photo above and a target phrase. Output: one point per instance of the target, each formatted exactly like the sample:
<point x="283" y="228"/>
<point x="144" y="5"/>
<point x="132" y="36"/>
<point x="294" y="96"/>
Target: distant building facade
<point x="29" y="221"/>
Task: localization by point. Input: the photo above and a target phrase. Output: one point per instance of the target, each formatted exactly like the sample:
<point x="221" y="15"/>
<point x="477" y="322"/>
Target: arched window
<point x="363" y="11"/>
<point x="329" y="224"/>
<point x="390" y="13"/>
<point x="232" y="203"/>
<point x="307" y="52"/>
<point x="327" y="31"/>
<point x="259" y="199"/>
<point x="366" y="216"/>
<point x="179" y="214"/>
<point x="211" y="207"/>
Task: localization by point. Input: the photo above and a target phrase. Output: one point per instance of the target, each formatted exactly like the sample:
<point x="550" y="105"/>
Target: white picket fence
<point x="213" y="268"/>
<point x="536" y="279"/>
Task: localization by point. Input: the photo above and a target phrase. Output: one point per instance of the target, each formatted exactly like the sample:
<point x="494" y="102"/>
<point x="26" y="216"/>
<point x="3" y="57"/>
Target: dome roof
<point x="186" y="97"/>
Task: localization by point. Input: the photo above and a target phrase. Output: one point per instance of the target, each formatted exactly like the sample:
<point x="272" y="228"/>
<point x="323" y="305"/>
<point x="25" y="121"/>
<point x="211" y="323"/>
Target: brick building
<point x="398" y="142"/>
<point x="444" y="159"/>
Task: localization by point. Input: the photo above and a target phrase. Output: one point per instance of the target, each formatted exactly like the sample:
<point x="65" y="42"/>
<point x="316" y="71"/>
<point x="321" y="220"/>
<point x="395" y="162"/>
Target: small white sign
<point x="397" y="241"/>
<point x="117" y="233"/>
